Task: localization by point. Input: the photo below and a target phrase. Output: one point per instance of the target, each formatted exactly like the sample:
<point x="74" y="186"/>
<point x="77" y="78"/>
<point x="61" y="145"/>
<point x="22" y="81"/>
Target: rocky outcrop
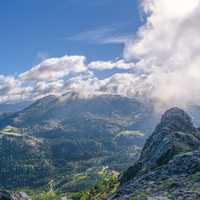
<point x="5" y="195"/>
<point x="175" y="134"/>
<point x="169" y="165"/>
<point x="179" y="179"/>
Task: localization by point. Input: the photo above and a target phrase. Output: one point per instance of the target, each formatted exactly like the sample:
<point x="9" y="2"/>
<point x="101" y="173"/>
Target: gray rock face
<point x="176" y="119"/>
<point x="175" y="134"/>
<point x="179" y="179"/>
<point x="169" y="166"/>
<point x="5" y="195"/>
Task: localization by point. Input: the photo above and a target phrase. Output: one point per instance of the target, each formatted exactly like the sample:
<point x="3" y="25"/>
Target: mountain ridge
<point x="70" y="131"/>
<point x="169" y="155"/>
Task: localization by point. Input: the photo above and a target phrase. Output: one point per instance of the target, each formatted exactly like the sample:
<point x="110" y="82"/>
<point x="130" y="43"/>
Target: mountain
<point x="6" y="195"/>
<point x="113" y="110"/>
<point x="14" y="107"/>
<point x="194" y="112"/>
<point x="61" y="139"/>
<point x="169" y="165"/>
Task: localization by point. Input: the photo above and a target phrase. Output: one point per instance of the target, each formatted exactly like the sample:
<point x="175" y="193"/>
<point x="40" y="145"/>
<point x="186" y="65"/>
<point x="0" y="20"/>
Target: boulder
<point x="6" y="195"/>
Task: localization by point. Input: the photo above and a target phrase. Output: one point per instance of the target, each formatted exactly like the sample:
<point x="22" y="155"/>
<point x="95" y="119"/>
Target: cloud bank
<point x="167" y="49"/>
<point x="58" y="76"/>
<point x="161" y="63"/>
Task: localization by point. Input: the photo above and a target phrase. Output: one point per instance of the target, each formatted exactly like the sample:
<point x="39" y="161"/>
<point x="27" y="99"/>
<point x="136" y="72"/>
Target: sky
<point x="146" y="49"/>
<point x="34" y="30"/>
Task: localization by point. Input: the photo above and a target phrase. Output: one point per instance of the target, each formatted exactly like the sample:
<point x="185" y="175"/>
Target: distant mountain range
<point x="67" y="142"/>
<point x="46" y="140"/>
<point x="112" y="112"/>
<point x="14" y="107"/>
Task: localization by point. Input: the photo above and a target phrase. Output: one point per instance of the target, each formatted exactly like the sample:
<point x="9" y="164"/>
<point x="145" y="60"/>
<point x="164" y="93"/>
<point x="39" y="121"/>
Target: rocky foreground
<point x="169" y="166"/>
<point x="5" y="195"/>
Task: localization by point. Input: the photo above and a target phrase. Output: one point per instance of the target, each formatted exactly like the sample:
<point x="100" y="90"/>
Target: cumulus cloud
<point x="167" y="49"/>
<point x="11" y="90"/>
<point x="58" y="76"/>
<point x="54" y="68"/>
<point x="107" y="65"/>
<point x="125" y="84"/>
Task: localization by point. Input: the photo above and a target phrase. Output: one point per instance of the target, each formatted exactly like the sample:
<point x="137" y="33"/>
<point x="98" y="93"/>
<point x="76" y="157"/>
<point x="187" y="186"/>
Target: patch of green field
<point x="131" y="133"/>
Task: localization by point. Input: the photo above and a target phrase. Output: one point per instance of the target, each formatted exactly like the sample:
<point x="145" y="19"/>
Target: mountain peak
<point x="175" y="134"/>
<point x="176" y="119"/>
<point x="174" y="113"/>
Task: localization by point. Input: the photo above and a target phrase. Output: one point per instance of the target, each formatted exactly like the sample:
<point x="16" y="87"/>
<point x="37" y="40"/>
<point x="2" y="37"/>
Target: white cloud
<point x="54" y="68"/>
<point x="107" y="65"/>
<point x="57" y="76"/>
<point x="11" y="90"/>
<point x="125" y="84"/>
<point x="103" y="35"/>
<point x="168" y="48"/>
<point x="6" y="83"/>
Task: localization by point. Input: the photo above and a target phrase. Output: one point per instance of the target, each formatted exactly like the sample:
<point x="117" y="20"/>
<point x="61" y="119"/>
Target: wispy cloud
<point x="42" y="56"/>
<point x="104" y="35"/>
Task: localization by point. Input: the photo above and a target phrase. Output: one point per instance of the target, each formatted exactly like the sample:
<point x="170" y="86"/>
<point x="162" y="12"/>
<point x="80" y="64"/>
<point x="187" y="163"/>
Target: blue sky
<point x="91" y="47"/>
<point x="32" y="30"/>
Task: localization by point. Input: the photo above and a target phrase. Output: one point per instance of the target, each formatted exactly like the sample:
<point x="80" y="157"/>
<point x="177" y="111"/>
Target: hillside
<point x="169" y="165"/>
<point x="67" y="140"/>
